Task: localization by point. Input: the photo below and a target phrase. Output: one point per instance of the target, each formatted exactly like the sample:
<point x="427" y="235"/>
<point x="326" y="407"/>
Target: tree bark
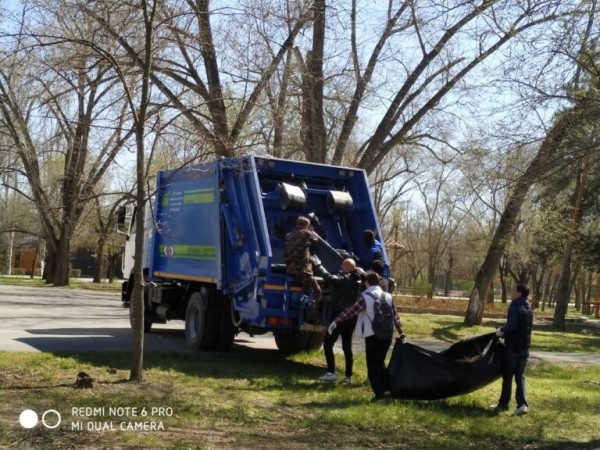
<point x="9" y="252"/>
<point x="448" y="276"/>
<point x="564" y="289"/>
<point x="490" y="294"/>
<point x="431" y="280"/>
<point x="137" y="301"/>
<point x="100" y="259"/>
<point x="503" y="294"/>
<point x="62" y="266"/>
<point x="35" y="257"/>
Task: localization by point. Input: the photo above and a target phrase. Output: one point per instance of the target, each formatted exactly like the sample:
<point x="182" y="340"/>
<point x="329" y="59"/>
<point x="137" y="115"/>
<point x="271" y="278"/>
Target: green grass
<point x="250" y="398"/>
<point x="74" y="284"/>
<point x="544" y="338"/>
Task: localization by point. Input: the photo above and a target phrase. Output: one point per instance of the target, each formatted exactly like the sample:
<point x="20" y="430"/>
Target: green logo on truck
<point x="201" y="252"/>
<point x="198" y="196"/>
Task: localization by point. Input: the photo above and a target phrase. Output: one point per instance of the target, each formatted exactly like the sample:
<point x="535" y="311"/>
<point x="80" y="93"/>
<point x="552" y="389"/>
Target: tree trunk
<point x="62" y="264"/>
<point x="588" y="294"/>
<point x="502" y="283"/>
<point x="490" y="295"/>
<point x="317" y="83"/>
<point x="100" y="259"/>
<point x="112" y="270"/>
<point x="137" y="301"/>
<point x="577" y="283"/>
<point x="431" y="280"/>
<point x="137" y="295"/>
<point x="554" y="291"/>
<point x="448" y="276"/>
<point x="537" y="292"/>
<point x="50" y="265"/>
<point x="35" y="257"/>
<point x="9" y="252"/>
<point x="562" y="301"/>
<point x="508" y="221"/>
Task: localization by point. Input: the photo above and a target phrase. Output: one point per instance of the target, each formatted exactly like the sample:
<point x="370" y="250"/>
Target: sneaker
<point x="329" y="376"/>
<point x="523" y="409"/>
<point x="498" y="408"/>
<point x="347" y="381"/>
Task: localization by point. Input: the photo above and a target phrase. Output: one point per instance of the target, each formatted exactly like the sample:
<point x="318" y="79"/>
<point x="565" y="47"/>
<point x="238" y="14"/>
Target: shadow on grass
<point x="592" y="445"/>
<point x="239" y="363"/>
<point x="449" y="332"/>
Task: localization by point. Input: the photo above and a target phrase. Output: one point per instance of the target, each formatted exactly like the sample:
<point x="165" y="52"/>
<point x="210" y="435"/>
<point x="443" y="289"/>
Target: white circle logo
<point x="51" y="425"/>
<point x="28" y="418"/>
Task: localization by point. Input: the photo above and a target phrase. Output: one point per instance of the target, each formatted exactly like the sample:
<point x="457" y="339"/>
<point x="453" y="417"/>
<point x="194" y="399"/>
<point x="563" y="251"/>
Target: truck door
<point x="246" y="243"/>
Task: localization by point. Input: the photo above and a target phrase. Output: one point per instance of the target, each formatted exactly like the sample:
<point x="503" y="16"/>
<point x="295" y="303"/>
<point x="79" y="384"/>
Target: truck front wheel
<point x="200" y="332"/>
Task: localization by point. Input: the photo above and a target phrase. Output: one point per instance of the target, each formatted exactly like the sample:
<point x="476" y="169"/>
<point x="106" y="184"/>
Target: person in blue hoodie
<point x="374" y="252"/>
<point x="517" y="340"/>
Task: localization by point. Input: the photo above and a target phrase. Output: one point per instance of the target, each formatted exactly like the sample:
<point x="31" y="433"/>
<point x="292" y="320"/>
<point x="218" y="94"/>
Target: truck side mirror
<point x="122" y="227"/>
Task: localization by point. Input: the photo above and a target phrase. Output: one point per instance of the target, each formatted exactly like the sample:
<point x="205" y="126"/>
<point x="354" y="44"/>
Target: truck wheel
<point x="290" y="342"/>
<point x="147" y="318"/>
<point x="315" y="341"/>
<point x="200" y="324"/>
<point x="226" y="332"/>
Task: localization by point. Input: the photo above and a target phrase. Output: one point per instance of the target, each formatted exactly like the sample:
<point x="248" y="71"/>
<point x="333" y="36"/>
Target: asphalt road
<point x="55" y="319"/>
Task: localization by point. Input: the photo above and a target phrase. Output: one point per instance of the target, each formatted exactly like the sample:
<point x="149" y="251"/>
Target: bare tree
<point x="72" y="93"/>
<point x="540" y="164"/>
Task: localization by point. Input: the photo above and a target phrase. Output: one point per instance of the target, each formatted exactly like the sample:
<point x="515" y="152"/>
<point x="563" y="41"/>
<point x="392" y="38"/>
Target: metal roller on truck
<point x="215" y="238"/>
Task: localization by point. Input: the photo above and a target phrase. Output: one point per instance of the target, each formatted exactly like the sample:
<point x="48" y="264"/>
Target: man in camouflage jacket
<point x="297" y="256"/>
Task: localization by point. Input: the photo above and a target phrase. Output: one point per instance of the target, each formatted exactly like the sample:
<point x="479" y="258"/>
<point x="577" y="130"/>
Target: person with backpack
<point x="376" y="319"/>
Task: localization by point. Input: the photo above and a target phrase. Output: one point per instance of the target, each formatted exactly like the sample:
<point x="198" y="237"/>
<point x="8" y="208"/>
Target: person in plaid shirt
<point x="375" y="348"/>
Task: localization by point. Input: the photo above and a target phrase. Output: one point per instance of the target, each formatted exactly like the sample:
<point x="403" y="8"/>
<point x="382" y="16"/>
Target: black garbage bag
<point x="468" y="365"/>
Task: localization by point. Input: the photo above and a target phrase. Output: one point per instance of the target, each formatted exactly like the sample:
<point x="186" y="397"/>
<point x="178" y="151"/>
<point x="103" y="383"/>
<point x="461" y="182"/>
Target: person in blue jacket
<point x="517" y="340"/>
<point x="374" y="252"/>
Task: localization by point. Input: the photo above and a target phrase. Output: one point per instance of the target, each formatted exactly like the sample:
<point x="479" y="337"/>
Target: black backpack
<point x="383" y="319"/>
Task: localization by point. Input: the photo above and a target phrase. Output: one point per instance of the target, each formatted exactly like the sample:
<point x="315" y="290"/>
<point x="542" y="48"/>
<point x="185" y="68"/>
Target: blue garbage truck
<point x="215" y="236"/>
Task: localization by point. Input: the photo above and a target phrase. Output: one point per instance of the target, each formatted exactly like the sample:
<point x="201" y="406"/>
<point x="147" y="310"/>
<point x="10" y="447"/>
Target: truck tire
<point x="290" y="342"/>
<point x="201" y="325"/>
<point x="315" y="341"/>
<point x="226" y="332"/>
<point x="147" y="318"/>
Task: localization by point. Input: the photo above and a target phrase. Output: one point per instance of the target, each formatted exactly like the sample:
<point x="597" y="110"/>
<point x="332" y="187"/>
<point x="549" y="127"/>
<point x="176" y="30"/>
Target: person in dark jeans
<point x="375" y="348"/>
<point x="517" y="340"/>
<point x="345" y="288"/>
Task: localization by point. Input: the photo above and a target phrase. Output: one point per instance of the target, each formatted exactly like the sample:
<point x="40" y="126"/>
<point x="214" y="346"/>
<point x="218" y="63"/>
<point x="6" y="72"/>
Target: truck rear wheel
<point x="226" y="332"/>
<point x="290" y="342"/>
<point x="201" y="325"/>
<point x="315" y="340"/>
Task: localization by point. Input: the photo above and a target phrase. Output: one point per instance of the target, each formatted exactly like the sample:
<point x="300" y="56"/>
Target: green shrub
<point x="421" y="287"/>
